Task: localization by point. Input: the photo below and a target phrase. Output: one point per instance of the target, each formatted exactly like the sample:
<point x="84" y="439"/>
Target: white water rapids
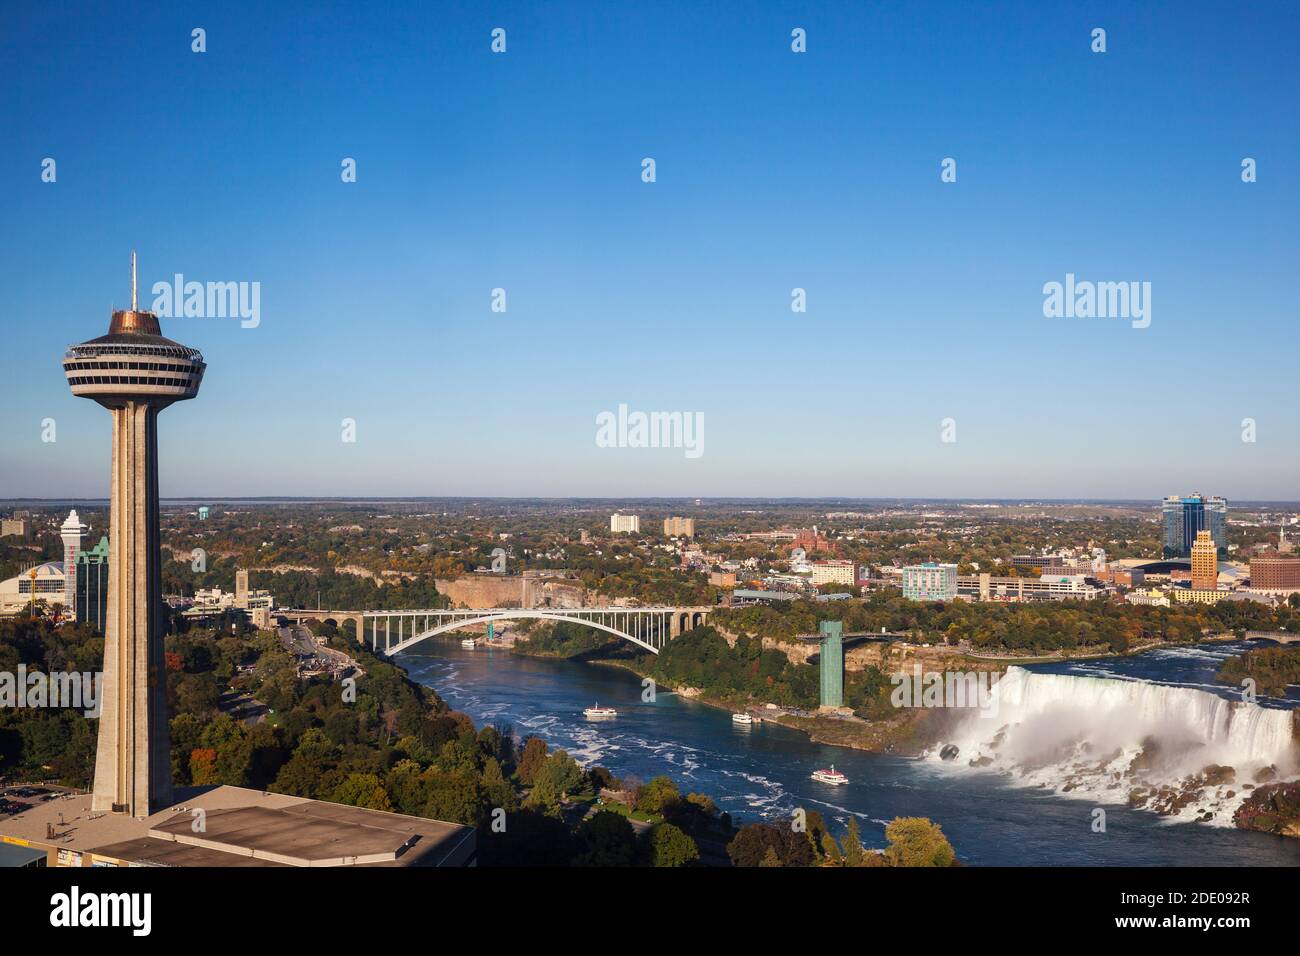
<point x="1161" y="748"/>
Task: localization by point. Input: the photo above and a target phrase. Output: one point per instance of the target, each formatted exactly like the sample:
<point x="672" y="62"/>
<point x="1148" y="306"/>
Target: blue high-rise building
<point x="92" y="586"/>
<point x="1185" y="515"/>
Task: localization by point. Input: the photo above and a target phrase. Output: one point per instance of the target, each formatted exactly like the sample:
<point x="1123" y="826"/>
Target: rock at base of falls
<point x="1274" y="808"/>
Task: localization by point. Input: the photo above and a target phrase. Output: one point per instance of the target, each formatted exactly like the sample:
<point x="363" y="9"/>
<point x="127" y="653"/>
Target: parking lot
<point x="16" y="798"/>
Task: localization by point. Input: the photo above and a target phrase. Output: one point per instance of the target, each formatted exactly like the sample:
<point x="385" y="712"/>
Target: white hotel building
<point x="54" y="582"/>
<point x="1050" y="587"/>
<point x="834" y="572"/>
<point x="624" y="524"/>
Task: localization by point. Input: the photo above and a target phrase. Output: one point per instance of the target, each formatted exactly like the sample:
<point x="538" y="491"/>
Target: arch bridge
<point x="395" y="631"/>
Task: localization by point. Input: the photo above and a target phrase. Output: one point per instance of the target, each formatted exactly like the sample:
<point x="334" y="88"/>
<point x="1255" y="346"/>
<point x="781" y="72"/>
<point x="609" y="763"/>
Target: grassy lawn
<point x="623" y="810"/>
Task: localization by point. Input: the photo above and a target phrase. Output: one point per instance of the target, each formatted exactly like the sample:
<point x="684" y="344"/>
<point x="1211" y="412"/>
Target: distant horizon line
<point x="689" y="499"/>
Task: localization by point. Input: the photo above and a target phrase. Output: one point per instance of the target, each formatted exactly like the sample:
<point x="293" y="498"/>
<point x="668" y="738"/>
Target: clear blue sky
<point x="775" y="171"/>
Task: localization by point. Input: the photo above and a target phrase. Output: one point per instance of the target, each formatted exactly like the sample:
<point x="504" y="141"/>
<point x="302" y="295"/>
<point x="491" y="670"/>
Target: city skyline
<point x="775" y="171"/>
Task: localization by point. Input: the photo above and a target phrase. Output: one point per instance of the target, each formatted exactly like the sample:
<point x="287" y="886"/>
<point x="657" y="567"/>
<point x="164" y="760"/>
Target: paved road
<point x="300" y="641"/>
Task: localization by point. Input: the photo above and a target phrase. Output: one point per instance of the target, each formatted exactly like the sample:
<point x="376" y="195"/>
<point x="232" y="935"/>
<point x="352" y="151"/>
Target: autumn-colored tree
<point x="754" y="841"/>
<point x="203" y="766"/>
<point x="531" y="761"/>
<point x="916" y="841"/>
<point x="657" y="795"/>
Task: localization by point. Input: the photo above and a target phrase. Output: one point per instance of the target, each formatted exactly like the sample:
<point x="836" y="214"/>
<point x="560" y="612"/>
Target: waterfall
<point x="1185" y="753"/>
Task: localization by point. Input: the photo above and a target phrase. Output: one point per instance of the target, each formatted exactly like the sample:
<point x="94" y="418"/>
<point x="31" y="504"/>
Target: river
<point x="763" y="771"/>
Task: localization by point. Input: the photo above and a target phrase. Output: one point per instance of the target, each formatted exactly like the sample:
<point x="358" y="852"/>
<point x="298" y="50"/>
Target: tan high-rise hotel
<point x="1205" y="562"/>
<point x="679" y="527"/>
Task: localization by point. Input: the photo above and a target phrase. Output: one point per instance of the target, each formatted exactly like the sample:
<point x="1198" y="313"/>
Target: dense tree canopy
<point x="1037" y="626"/>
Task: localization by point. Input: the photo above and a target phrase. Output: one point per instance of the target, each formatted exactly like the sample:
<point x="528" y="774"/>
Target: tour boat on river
<point x="831" y="776"/>
<point x="597" y="712"/>
<point x="741" y="719"/>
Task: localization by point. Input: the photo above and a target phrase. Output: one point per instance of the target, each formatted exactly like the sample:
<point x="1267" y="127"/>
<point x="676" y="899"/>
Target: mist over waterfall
<point x="1185" y="753"/>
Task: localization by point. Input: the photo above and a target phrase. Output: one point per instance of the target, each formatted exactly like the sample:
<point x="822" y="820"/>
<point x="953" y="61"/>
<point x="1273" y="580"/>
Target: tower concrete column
<point x="133" y="759"/>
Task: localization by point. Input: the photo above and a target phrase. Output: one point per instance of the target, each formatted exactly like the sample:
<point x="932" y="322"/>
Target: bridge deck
<point x="649" y="627"/>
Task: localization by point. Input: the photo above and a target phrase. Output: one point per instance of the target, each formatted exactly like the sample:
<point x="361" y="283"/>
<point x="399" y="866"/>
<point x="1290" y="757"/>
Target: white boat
<point x="469" y="642"/>
<point x="741" y="719"/>
<point x="597" y="712"/>
<point x="831" y="776"/>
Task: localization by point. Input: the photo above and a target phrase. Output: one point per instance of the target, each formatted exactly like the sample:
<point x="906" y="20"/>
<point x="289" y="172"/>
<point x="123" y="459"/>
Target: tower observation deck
<point x="134" y="372"/>
<point x="133" y="362"/>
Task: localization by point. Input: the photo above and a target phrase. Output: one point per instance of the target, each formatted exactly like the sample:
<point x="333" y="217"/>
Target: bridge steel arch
<point x="649" y="628"/>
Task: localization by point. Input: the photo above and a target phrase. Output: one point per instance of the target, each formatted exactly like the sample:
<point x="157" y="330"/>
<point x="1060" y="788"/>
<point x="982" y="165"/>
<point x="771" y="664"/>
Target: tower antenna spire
<point x="133" y="308"/>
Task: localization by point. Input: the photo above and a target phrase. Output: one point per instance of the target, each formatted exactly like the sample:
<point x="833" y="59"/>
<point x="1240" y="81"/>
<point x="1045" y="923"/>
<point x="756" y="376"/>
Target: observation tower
<point x="135" y="373"/>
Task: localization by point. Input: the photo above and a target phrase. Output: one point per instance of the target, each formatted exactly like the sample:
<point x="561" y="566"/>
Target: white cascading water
<point x="1128" y="741"/>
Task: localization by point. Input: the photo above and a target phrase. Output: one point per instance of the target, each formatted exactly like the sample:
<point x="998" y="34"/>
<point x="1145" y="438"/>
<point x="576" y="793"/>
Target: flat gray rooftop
<point x="291" y="837"/>
<point x="242" y="827"/>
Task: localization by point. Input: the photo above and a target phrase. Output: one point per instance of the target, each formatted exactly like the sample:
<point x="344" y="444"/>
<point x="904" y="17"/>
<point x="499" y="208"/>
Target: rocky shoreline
<point x="906" y="734"/>
<point x="1273" y="808"/>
